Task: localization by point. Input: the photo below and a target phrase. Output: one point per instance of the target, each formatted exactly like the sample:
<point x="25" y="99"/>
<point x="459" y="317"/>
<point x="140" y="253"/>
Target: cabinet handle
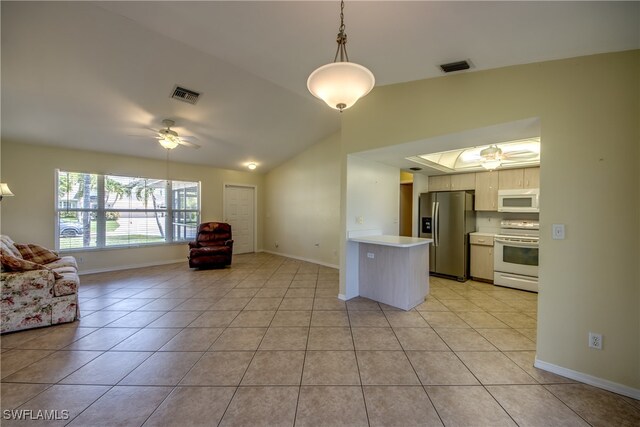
<point x="481" y="240"/>
<point x="490" y="251"/>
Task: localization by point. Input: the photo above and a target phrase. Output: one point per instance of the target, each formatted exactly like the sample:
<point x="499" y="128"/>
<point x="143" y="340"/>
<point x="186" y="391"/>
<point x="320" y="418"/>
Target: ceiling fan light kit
<point x="341" y="83"/>
<point x="491" y="157"/>
<point x="169" y="138"/>
<point x="168" y="142"/>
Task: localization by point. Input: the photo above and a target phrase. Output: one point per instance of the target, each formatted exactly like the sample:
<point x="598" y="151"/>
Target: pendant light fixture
<point x="341" y="83"/>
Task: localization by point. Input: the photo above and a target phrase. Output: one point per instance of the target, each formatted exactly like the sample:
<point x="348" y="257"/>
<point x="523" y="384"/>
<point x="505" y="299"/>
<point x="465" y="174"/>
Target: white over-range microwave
<point x="519" y="200"/>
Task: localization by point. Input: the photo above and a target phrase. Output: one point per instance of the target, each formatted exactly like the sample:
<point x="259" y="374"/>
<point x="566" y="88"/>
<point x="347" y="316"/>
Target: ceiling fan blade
<point x="187" y="143"/>
<point x="520" y="154"/>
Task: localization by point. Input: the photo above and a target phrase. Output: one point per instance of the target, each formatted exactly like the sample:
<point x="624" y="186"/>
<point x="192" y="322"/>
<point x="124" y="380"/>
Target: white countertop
<point x="396" y="241"/>
<point x="482" y="234"/>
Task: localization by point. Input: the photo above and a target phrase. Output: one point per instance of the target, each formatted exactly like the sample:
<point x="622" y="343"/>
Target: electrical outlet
<point x="370" y="255"/>
<point x="595" y="341"/>
<point x="276" y="244"/>
<point x="359" y="220"/>
<point x="317" y="245"/>
<point x="80" y="260"/>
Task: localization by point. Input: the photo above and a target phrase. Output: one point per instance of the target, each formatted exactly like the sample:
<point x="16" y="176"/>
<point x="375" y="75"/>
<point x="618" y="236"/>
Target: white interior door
<point x="239" y="211"/>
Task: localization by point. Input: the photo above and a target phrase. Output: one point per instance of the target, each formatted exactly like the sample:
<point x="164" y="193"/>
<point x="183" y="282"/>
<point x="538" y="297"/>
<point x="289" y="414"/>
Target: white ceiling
<point x="88" y="74"/>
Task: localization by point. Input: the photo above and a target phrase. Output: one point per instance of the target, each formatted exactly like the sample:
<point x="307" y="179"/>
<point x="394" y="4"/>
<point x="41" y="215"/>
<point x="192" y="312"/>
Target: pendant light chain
<point x="342" y="38"/>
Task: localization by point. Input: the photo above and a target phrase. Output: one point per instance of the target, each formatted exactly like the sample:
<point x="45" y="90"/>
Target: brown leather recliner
<point x="213" y="246"/>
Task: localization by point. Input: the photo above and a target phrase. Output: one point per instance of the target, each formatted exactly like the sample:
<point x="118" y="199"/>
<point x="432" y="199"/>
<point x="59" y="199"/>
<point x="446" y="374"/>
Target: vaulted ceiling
<point x="99" y="75"/>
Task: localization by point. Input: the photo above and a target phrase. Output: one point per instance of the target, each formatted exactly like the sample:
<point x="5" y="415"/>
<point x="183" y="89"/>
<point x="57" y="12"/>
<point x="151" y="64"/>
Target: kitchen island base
<point x="396" y="275"/>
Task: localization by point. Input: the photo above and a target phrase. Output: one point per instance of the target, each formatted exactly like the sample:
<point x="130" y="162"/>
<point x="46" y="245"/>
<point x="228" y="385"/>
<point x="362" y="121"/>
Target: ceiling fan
<point x="493" y="156"/>
<point x="170" y="139"/>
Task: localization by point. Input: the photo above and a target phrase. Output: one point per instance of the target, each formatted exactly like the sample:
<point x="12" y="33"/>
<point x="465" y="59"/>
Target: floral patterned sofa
<point x="39" y="288"/>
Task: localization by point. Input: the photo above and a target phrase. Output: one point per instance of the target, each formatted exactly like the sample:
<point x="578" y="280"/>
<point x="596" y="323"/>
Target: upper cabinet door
<point x="510" y="178"/>
<point x="532" y="178"/>
<point x="463" y="181"/>
<point x="519" y="178"/>
<point x="440" y="183"/>
<point x="486" y="191"/>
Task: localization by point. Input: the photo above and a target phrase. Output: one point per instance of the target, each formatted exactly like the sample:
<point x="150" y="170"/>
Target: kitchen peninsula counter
<point x="393" y="270"/>
<point x="395" y="241"/>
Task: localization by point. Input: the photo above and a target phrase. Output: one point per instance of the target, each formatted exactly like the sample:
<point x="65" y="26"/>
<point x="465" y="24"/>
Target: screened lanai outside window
<point x="100" y="211"/>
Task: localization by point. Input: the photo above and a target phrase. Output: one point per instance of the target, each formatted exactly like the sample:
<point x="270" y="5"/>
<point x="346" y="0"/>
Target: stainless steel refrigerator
<point x="448" y="218"/>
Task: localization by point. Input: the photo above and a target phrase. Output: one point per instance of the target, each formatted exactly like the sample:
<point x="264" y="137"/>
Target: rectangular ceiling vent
<point x="185" y="95"/>
<point x="455" y="66"/>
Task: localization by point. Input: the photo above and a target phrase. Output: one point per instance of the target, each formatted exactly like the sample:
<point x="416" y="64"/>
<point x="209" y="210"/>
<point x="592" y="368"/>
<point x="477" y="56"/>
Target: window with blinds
<point x="101" y="211"/>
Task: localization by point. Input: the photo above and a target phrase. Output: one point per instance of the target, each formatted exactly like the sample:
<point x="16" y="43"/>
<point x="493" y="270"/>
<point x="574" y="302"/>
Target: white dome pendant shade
<point x="341" y="83"/>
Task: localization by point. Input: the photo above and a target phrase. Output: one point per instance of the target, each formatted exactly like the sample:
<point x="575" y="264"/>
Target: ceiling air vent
<point x="455" y="66"/>
<point x="415" y="169"/>
<point x="185" y="95"/>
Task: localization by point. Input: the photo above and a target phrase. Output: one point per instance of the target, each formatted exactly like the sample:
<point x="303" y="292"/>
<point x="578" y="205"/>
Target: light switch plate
<point x="558" y="231"/>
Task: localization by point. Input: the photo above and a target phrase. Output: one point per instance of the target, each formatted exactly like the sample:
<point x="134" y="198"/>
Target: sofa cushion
<point x="65" y="261"/>
<point x="11" y="263"/>
<point x="7" y="245"/>
<point x="36" y="253"/>
<point x="62" y="270"/>
<point x="210" y="250"/>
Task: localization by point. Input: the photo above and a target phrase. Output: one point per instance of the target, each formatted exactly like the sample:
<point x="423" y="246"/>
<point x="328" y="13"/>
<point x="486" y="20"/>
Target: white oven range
<point x="515" y="261"/>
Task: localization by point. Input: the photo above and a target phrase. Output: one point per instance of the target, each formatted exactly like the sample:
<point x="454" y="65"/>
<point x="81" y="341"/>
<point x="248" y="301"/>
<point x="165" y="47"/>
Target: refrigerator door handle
<point x="436" y="223"/>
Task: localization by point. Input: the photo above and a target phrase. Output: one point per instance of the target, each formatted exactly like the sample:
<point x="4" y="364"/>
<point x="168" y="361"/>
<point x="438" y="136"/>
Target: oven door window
<point x="520" y="256"/>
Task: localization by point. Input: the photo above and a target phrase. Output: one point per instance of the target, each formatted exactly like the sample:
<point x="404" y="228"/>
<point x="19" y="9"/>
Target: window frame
<point x="101" y="210"/>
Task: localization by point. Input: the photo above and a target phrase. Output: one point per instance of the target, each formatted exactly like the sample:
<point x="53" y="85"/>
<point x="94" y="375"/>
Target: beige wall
<point x="589" y="111"/>
<point x="29" y="216"/>
<point x="302" y="211"/>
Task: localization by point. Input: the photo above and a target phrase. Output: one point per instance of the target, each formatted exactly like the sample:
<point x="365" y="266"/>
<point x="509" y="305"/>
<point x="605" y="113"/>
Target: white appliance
<point x="515" y="261"/>
<point x="519" y="200"/>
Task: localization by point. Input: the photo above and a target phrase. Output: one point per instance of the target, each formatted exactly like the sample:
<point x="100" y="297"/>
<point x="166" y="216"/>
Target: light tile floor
<point x="266" y="342"/>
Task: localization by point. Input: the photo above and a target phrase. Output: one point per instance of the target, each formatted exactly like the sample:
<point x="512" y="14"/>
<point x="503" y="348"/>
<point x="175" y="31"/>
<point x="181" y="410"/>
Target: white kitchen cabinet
<point x="463" y="181"/>
<point x="481" y="257"/>
<point x="440" y="183"/>
<point x="486" y="191"/>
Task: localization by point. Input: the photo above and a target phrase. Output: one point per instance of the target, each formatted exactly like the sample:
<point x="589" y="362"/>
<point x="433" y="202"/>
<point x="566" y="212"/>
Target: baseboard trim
<point x="303" y="259"/>
<point x="130" y="266"/>
<point x="174" y="261"/>
<point x="588" y="379"/>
